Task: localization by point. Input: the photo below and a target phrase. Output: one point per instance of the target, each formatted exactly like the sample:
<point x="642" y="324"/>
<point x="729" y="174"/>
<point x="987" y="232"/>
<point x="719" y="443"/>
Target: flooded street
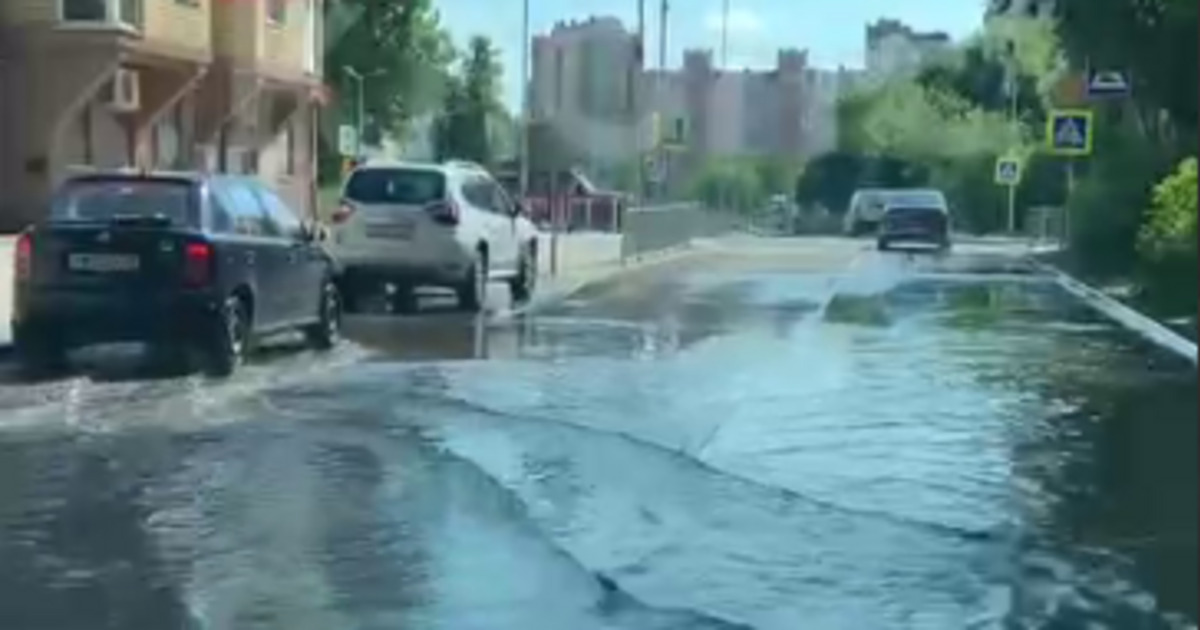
<point x="770" y="434"/>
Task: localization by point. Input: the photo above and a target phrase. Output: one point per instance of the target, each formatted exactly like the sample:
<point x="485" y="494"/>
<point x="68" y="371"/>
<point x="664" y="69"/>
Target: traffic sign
<point x="1069" y="132"/>
<point x="347" y="140"/>
<point x="1008" y="171"/>
<point x="1107" y="84"/>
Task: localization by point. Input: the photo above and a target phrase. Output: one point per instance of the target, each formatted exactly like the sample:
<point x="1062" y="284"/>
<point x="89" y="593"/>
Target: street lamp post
<point x="360" y="117"/>
<point x="525" y="105"/>
<point x="1013" y="92"/>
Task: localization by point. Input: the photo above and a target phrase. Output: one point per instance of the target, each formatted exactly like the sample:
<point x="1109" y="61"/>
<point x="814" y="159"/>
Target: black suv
<point x="196" y="265"/>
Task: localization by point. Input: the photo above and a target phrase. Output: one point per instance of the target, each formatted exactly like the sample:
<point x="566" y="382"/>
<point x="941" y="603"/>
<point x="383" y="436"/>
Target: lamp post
<point x="1013" y="91"/>
<point x="360" y="117"/>
<point x="525" y="110"/>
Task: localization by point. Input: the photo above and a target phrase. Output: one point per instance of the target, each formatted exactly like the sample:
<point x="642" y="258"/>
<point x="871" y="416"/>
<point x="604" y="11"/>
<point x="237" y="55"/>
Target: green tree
<point x="1153" y="41"/>
<point x="471" y="105"/>
<point x="1167" y="242"/>
<point x="404" y="49"/>
<point x="830" y="180"/>
<point x="731" y="183"/>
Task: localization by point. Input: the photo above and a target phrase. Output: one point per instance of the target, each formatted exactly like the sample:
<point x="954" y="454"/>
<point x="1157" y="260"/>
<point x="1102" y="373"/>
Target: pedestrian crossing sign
<point x="1008" y="171"/>
<point x="1069" y="132"/>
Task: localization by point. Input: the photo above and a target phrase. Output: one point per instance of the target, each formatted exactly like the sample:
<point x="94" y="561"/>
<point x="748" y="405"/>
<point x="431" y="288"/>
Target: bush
<point x="1105" y="209"/>
<point x="1167" y="243"/>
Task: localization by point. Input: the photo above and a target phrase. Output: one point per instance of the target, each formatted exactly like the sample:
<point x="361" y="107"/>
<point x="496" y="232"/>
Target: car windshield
<point x="106" y="199"/>
<point x="405" y="186"/>
<point x="916" y="198"/>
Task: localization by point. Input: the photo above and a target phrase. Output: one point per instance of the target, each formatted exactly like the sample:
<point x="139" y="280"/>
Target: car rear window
<point x="108" y="199"/>
<point x="405" y="186"/>
<point x="918" y="198"/>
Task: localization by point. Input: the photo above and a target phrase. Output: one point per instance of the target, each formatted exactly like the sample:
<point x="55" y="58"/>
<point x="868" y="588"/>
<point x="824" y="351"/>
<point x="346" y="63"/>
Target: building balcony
<point x="171" y="28"/>
<point x="279" y="38"/>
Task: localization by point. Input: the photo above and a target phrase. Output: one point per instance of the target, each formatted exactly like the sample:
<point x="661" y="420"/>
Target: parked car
<point x="195" y="265"/>
<point x="865" y="211"/>
<point x="919" y="216"/>
<point x="424" y="224"/>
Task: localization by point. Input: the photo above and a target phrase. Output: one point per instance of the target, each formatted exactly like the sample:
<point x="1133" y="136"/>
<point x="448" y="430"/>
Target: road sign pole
<point x="1070" y="168"/>
<point x="1012" y="209"/>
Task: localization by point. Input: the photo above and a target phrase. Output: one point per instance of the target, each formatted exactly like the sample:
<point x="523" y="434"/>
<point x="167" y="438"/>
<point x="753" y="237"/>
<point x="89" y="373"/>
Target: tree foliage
<point x="1154" y="41"/>
<point x="1167" y="243"/>
<point x="731" y="184"/>
<point x="471" y="106"/>
<point x="400" y="44"/>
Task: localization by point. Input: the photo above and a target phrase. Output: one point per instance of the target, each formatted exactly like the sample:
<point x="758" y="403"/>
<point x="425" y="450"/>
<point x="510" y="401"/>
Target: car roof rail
<point x="465" y="165"/>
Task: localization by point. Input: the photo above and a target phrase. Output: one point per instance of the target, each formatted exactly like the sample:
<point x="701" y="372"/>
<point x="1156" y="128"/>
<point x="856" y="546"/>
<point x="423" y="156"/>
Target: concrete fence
<point x="653" y="228"/>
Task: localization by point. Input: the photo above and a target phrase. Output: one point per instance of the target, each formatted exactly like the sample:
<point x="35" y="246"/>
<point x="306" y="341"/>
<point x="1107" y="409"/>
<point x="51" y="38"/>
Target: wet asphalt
<point x="768" y="433"/>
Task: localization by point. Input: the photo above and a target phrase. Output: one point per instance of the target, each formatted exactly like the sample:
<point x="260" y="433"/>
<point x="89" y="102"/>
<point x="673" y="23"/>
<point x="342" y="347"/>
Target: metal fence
<point x="1046" y="224"/>
<point x="656" y="228"/>
<point x="576" y="214"/>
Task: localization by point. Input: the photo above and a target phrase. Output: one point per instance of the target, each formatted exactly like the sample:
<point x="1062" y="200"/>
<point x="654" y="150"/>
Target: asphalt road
<point x="771" y="433"/>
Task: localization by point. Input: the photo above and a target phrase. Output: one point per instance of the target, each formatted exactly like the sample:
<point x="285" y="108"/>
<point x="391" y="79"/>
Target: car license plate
<point x="103" y="263"/>
<point x="402" y="231"/>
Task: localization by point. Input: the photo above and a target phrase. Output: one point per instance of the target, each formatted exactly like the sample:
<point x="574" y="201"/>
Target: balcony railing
<point x="127" y="13"/>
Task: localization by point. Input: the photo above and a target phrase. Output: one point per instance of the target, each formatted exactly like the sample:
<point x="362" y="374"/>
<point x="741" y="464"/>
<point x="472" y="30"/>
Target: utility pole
<point x="526" y="114"/>
<point x="660" y="155"/>
<point x="725" y="34"/>
<point x="1013" y="89"/>
<point x="639" y="64"/>
<point x="361" y="115"/>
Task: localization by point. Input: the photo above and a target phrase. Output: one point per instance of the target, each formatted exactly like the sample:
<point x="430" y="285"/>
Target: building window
<point x="85" y="10"/>
<point x="277" y="11"/>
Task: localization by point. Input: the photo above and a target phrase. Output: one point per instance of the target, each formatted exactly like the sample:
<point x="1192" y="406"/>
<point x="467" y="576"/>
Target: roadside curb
<point x="1123" y="314"/>
<point x="602" y="273"/>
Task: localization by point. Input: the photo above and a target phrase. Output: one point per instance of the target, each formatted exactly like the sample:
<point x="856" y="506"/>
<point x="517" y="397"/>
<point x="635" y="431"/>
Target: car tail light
<point x="197" y="264"/>
<point x="23" y="258"/>
<point x="444" y="212"/>
<point x="343" y="212"/>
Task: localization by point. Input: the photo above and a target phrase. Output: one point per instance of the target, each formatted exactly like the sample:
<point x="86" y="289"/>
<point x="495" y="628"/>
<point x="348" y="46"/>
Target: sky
<point x="832" y="31"/>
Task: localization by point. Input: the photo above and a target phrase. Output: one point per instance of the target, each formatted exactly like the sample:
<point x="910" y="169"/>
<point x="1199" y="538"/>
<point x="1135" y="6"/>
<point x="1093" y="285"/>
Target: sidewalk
<point x="584" y="259"/>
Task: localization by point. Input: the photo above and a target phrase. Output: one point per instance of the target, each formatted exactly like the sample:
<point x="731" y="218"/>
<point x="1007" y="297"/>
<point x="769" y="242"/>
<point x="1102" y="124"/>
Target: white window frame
<point x="112" y="17"/>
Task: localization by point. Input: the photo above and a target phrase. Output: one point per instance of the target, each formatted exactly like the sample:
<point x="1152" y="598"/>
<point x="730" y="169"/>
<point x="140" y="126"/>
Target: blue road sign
<point x="1069" y="132"/>
<point x="1008" y="171"/>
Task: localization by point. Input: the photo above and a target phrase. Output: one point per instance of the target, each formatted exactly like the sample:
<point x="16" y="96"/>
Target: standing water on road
<point x="741" y="439"/>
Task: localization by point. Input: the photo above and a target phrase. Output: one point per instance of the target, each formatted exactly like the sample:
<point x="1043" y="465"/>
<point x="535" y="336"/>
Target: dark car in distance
<point x="915" y="217"/>
<point x="197" y="266"/>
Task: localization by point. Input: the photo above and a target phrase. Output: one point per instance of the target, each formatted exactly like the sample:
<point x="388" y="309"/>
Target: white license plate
<point x="402" y="231"/>
<point x="103" y="262"/>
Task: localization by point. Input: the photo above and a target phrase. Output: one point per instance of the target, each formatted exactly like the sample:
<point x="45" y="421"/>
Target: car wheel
<point x="472" y="292"/>
<point x="521" y="288"/>
<point x="325" y="334"/>
<point x="229" y="338"/>
<point x="39" y="356"/>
